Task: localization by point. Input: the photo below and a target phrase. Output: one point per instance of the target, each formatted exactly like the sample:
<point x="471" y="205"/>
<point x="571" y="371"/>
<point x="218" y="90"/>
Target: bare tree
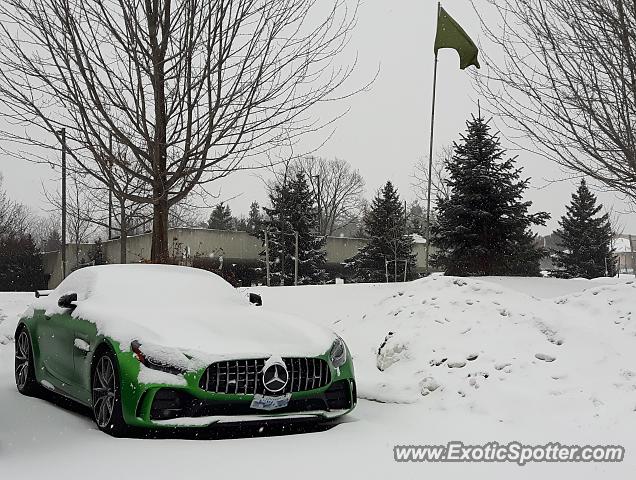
<point x="14" y="217"/>
<point x="45" y="231"/>
<point x="89" y="212"/>
<point x="563" y="74"/>
<point x="338" y="188"/>
<point x="188" y="89"/>
<point x="439" y="186"/>
<point x="81" y="213"/>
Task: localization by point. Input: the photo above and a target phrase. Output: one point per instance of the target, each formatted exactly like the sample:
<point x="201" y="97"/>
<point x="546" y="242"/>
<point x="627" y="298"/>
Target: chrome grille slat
<point x="313" y="373"/>
<point x="244" y="377"/>
<point x="236" y="384"/>
<point x="293" y="374"/>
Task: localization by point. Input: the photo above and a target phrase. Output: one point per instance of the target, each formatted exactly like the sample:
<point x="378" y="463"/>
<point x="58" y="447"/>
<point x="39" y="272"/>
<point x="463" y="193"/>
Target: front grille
<point x="244" y="376"/>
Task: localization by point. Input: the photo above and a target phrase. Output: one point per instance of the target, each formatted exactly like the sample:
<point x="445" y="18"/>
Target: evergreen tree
<point x="240" y="224"/>
<point x="416" y="219"/>
<point x="585" y="239"/>
<point x="390" y="247"/>
<point x="293" y="209"/>
<point x="255" y="218"/>
<point x="483" y="227"/>
<point x="96" y="253"/>
<point x="221" y="218"/>
<point x="21" y="267"/>
<point x="52" y="242"/>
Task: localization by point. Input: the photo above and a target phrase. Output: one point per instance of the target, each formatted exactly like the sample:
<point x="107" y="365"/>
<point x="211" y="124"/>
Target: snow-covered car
<point x="165" y="346"/>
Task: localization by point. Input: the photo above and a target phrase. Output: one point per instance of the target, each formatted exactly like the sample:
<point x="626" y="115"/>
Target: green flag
<point x="451" y="35"/>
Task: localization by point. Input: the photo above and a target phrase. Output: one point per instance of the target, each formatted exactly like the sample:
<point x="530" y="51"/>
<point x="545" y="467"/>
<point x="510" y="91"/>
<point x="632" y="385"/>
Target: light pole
<point x="110" y="188"/>
<point x="317" y="177"/>
<point x="267" y="256"/>
<point x="62" y="133"/>
<point x="296" y="259"/>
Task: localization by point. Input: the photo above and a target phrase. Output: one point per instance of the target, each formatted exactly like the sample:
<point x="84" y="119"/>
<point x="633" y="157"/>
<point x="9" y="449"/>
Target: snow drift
<point x="466" y="344"/>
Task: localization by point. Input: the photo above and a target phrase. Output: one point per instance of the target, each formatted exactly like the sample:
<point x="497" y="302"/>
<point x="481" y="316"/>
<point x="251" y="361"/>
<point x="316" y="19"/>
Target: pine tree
<point x="221" y="218"/>
<point x="255" y="218"/>
<point x="21" y="267"/>
<point x="53" y="241"/>
<point x="483" y="227"/>
<point x="293" y="209"/>
<point x="390" y="248"/>
<point x="585" y="238"/>
<point x="240" y="224"/>
<point x="416" y="219"/>
<point x="96" y="253"/>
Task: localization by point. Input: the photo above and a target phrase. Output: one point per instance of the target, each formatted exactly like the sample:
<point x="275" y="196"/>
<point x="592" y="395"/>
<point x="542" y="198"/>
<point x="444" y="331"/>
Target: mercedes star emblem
<point x="275" y="376"/>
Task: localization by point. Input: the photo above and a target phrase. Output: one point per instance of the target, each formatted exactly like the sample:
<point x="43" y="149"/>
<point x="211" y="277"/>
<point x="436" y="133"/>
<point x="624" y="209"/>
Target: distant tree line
<point x="481" y="224"/>
<point x="20" y="260"/>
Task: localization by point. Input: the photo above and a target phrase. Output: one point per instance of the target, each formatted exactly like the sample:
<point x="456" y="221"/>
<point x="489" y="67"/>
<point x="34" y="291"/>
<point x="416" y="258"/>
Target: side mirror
<point x="256" y="299"/>
<point x="66" y="301"/>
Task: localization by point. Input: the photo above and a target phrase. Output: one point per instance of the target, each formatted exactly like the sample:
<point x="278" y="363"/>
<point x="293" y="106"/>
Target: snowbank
<point x="458" y="344"/>
<point x="12" y="305"/>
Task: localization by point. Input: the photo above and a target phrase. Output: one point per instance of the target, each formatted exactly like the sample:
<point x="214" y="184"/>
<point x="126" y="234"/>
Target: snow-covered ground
<point x="440" y="359"/>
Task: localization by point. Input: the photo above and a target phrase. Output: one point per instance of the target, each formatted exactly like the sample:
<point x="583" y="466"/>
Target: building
<point x="234" y="254"/>
<point x="625" y="246"/>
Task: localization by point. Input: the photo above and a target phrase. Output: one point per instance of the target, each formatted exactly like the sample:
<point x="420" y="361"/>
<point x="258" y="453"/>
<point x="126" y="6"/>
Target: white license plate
<point x="265" y="402"/>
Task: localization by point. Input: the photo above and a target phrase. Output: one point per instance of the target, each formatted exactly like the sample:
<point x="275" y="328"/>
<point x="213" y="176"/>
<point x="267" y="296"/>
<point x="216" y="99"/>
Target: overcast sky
<point x="387" y="128"/>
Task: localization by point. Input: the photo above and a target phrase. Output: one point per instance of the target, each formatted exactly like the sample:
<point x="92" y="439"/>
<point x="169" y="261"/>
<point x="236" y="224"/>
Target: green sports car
<point x="160" y="346"/>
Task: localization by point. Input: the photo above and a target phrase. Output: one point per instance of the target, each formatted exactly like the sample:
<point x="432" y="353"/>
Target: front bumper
<point x="165" y="405"/>
<point x="264" y="417"/>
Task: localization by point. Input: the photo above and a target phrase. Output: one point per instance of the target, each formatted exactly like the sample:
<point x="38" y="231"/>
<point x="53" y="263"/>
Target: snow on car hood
<point x="186" y="309"/>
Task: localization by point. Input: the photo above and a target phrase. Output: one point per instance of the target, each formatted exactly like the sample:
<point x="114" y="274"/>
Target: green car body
<point x="65" y="350"/>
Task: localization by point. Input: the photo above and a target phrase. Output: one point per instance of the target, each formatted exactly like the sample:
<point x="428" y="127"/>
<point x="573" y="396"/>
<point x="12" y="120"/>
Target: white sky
<point x="387" y="129"/>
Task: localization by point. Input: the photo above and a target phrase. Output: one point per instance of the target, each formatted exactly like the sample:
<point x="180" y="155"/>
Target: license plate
<point x="265" y="402"/>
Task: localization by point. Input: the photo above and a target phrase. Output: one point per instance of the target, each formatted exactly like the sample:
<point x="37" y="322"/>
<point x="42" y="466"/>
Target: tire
<point x="106" y="394"/>
<point x="24" y="368"/>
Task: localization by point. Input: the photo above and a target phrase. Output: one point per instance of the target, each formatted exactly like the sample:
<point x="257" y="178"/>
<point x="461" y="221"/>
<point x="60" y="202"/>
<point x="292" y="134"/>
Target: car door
<point x="56" y="335"/>
<point x="84" y="339"/>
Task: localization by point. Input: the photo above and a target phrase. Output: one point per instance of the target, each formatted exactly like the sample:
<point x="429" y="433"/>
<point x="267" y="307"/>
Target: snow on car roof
<point x="161" y="283"/>
<point x="185" y="308"/>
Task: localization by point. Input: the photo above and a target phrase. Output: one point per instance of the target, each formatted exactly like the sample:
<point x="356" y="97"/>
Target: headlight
<point x="338" y="354"/>
<point x="149" y="360"/>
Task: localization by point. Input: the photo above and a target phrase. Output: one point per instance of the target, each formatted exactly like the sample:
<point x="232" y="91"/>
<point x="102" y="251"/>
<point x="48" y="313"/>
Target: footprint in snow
<point x="456" y="364"/>
<point x="471" y="357"/>
<point x="437" y="363"/>
<point x="545" y="357"/>
<point x="428" y="385"/>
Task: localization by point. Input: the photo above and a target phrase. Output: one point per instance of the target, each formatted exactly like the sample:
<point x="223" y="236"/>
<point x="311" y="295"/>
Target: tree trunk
<point x="123" y="233"/>
<point x="159" y="251"/>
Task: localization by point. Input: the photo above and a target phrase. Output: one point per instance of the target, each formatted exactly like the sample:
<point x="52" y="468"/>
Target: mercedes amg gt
<point x="160" y="346"/>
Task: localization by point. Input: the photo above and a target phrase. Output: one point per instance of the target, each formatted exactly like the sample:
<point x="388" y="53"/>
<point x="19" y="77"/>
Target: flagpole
<point x="430" y="162"/>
